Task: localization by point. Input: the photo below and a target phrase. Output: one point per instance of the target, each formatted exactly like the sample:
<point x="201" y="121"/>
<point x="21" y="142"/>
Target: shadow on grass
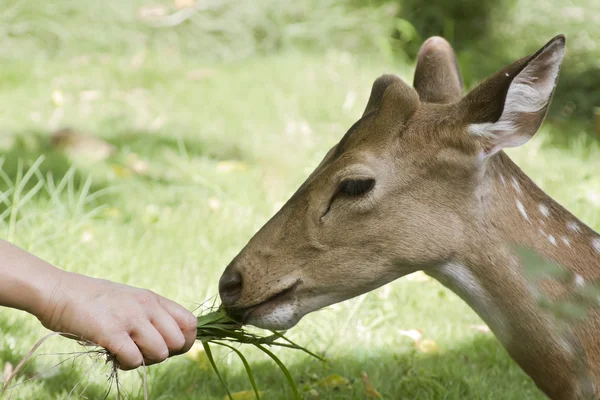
<point x="158" y="151"/>
<point x="152" y="144"/>
<point x="29" y="146"/>
<point x="478" y="370"/>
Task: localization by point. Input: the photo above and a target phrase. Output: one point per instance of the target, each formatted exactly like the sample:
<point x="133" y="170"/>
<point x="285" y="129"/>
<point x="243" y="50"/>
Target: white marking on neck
<point x="566" y="241"/>
<point x="522" y="210"/>
<point x="552" y="239"/>
<point x="516" y="185"/>
<point x="544" y="210"/>
<point x="574" y="226"/>
<point x="458" y="278"/>
<point x="503" y="180"/>
<point x="596" y="244"/>
<point x="578" y="280"/>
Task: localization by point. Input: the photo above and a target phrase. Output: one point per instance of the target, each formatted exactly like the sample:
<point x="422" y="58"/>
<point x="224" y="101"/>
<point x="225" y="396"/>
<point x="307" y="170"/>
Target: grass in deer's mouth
<point x="218" y="328"/>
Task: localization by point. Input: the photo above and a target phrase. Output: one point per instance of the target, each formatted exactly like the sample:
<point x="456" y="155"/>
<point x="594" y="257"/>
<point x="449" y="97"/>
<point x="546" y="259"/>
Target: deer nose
<point x="230" y="286"/>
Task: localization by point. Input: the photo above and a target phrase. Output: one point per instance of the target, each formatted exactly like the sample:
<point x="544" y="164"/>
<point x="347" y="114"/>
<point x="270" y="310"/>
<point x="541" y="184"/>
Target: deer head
<point x="404" y="189"/>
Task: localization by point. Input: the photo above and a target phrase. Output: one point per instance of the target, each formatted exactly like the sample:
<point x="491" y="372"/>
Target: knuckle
<point x="146" y="297"/>
<point x="190" y="323"/>
<point x="112" y="344"/>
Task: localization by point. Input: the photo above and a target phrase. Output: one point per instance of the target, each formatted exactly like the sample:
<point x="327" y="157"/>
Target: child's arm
<point x="134" y="324"/>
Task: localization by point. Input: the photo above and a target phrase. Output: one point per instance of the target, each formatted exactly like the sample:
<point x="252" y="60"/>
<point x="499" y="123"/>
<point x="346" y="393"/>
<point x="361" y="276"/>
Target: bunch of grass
<point x="217" y="328"/>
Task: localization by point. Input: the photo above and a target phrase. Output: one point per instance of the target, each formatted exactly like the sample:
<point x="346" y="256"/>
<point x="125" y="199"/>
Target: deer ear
<point x="508" y="108"/>
<point x="437" y="75"/>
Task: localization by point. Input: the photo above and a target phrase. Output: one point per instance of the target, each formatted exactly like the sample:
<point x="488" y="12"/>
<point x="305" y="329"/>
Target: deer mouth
<point x="246" y="315"/>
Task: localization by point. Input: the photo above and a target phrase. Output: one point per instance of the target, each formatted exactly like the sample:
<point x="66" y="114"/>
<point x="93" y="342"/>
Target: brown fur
<point x="438" y="203"/>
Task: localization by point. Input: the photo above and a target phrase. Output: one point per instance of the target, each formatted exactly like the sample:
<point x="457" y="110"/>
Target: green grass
<point x="225" y="143"/>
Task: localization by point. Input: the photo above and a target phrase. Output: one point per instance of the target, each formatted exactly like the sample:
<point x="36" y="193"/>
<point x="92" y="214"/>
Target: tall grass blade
<point x="246" y="366"/>
<point x="214" y="366"/>
<point x="285" y="371"/>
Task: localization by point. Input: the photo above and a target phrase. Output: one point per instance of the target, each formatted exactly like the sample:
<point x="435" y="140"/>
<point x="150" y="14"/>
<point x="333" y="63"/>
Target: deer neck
<point x="523" y="214"/>
<point x="514" y="211"/>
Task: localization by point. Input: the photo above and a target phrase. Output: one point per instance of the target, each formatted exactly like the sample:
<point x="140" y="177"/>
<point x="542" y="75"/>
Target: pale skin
<point x="138" y="326"/>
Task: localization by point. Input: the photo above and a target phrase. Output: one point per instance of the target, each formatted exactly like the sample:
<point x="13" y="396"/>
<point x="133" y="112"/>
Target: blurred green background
<point x="145" y="142"/>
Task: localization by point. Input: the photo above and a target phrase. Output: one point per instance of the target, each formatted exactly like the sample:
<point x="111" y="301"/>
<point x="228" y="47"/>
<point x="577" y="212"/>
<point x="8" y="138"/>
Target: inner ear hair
<point x="508" y="108"/>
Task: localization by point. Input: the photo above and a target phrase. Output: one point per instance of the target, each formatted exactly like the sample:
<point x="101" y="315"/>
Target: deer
<point x="422" y="182"/>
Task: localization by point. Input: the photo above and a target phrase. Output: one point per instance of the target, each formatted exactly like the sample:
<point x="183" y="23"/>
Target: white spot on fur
<point x="503" y="180"/>
<point x="574" y="226"/>
<point x="578" y="280"/>
<point x="516" y="185"/>
<point x="596" y="244"/>
<point x="566" y="241"/>
<point x="506" y="74"/>
<point x="544" y="210"/>
<point x="552" y="239"/>
<point x="540" y="230"/>
<point x="526" y="94"/>
<point x="522" y="210"/>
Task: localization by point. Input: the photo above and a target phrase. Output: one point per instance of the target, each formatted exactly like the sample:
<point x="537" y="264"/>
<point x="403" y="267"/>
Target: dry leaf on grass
<point x="231" y="165"/>
<point x="427" y="346"/>
<point x="370" y="390"/>
<point x="76" y="144"/>
<point x="214" y="203"/>
<point x="120" y="171"/>
<point x="179" y="4"/>
<point x="423" y="345"/>
<point x="414" y="334"/>
<point x="481" y="328"/>
<point x="333" y="381"/>
<point x="58" y="99"/>
<point x="243" y="395"/>
<point x="87" y="236"/>
<point x="137" y="165"/>
<point x="152" y="12"/>
<point x="8" y="370"/>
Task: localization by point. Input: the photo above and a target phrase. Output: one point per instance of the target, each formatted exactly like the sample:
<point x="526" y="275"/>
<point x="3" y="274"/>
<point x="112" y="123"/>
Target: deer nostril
<point x="230" y="287"/>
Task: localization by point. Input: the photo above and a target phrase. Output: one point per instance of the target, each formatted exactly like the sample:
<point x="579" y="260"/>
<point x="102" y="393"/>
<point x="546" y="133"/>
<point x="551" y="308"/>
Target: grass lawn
<point x="205" y="153"/>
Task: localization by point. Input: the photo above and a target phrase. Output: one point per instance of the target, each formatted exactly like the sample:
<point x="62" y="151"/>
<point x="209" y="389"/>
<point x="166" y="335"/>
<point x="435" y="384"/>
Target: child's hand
<point x="133" y="324"/>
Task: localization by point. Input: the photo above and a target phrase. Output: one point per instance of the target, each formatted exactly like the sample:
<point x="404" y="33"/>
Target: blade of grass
<point x="285" y="371"/>
<point x="214" y="365"/>
<point x="246" y="366"/>
<point x="297" y="346"/>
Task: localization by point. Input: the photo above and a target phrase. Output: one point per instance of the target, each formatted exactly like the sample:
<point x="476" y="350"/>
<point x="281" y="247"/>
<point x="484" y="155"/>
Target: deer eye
<point x="355" y="187"/>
